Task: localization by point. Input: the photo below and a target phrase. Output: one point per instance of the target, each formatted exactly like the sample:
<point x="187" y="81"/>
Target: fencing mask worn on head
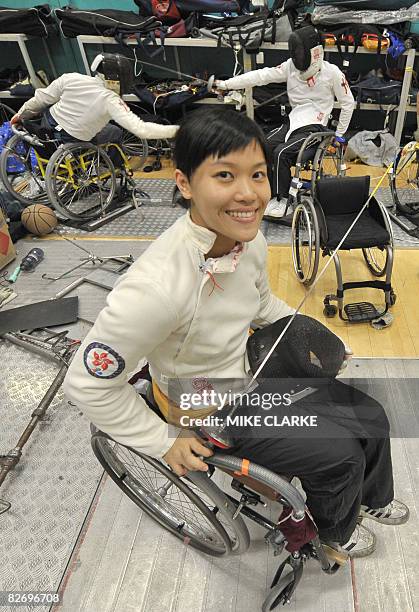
<point x="115" y="70"/>
<point x="306" y="51"/>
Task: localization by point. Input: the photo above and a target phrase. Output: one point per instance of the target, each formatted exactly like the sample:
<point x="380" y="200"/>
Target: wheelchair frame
<point x="230" y="534"/>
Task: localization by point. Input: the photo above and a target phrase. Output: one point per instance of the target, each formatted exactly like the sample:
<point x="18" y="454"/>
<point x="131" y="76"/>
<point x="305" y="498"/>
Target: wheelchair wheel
<point x="305" y="242"/>
<point x="194" y="509"/>
<point x="21" y="174"/>
<point x="326" y="163"/>
<point x="279" y="594"/>
<point x="376" y="259"/>
<point x="6" y="113"/>
<point x="405" y="182"/>
<point x="80" y="181"/>
<point x="135" y="147"/>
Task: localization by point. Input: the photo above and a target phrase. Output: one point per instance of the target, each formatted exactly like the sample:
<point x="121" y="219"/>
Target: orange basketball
<point x="39" y="219"/>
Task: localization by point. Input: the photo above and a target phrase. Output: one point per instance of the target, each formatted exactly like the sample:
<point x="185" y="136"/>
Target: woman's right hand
<point x="184" y="454"/>
<point x="15" y="120"/>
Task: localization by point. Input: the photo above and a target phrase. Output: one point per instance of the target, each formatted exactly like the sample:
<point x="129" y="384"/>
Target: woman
<point x="186" y="306"/>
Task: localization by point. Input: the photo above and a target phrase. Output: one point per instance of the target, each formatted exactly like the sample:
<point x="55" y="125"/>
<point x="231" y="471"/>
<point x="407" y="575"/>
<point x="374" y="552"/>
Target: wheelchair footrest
<point x="361" y="311"/>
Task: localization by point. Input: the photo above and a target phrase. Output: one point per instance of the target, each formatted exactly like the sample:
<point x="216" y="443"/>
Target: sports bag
<point x="36" y="21"/>
<point x="377" y="91"/>
<point x="165" y="95"/>
<point x="339" y="15"/>
<point x="377" y="5"/>
<point x="103" y="22"/>
<point x="170" y="11"/>
<point x="248" y="31"/>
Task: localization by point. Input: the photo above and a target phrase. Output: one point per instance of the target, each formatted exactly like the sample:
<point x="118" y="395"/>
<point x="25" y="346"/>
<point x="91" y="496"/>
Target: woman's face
<point x="228" y="196"/>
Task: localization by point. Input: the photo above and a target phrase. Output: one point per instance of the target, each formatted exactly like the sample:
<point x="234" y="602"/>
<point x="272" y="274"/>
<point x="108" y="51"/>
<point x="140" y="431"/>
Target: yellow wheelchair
<point x="80" y="180"/>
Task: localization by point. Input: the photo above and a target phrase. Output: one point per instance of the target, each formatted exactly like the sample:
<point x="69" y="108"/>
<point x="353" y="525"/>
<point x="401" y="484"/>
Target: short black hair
<point x="213" y="132"/>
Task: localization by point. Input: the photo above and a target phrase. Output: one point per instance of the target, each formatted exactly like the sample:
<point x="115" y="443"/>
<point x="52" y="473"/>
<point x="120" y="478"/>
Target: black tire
<point x="393" y="298"/>
<point x="278" y="594"/>
<point x="175" y="503"/>
<point x="376" y="260"/>
<point x="405" y="183"/>
<point x="330" y="311"/>
<point x="326" y="163"/>
<point x="136" y="147"/>
<point x="80" y="181"/>
<point x="305" y="242"/>
<point x="19" y="175"/>
<point x="6" y="113"/>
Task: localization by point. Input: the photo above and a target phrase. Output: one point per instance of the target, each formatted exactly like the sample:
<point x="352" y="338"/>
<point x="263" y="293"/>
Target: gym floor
<point x="71" y="529"/>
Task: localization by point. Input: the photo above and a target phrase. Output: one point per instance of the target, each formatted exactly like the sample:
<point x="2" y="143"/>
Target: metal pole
<point x="250" y="107"/>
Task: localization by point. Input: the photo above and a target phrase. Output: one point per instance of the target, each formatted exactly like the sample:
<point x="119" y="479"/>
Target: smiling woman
<point x="186" y="306"/>
<point x="225" y="184"/>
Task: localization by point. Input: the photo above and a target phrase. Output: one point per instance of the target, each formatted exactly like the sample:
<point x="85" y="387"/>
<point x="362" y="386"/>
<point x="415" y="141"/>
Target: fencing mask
<point x="306" y="51"/>
<point x="115" y="70"/>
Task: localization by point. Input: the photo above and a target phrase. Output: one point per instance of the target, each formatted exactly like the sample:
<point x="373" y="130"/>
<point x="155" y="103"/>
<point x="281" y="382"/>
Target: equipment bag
<point x="13" y="163"/>
<point x="103" y="22"/>
<point x="170" y="11"/>
<point x="377" y="91"/>
<point x="248" y="31"/>
<point x="36" y="21"/>
<point x="378" y="5"/>
<point x="165" y="95"/>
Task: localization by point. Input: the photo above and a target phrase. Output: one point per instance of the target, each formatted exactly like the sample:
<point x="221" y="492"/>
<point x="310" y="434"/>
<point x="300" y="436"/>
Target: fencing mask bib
<point x="306" y="51"/>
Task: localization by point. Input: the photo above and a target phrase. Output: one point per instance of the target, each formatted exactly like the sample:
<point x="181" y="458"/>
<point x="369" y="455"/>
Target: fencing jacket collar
<point x="204" y="239"/>
<point x="201" y="237"/>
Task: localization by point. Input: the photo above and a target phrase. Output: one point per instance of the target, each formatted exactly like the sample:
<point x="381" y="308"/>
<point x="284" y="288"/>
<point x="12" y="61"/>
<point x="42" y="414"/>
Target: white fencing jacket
<point x="311" y="101"/>
<point x="82" y="106"/>
<point x="167" y="309"/>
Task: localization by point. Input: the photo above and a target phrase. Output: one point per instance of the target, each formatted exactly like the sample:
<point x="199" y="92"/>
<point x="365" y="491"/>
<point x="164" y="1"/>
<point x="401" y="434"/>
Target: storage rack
<point x="403" y="106"/>
<point x="21" y="40"/>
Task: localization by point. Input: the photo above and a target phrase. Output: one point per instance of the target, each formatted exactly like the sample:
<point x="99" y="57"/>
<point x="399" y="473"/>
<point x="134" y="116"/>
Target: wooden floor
<point x="401" y="339"/>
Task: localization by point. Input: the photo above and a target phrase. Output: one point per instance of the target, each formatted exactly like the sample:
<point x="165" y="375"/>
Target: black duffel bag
<point x="36" y="21"/>
<point x="169" y="94"/>
<point x="102" y="22"/>
<point x="377" y="91"/>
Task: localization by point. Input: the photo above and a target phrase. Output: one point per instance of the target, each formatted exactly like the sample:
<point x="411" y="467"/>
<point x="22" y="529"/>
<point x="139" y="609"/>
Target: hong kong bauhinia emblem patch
<point x="102" y="361"/>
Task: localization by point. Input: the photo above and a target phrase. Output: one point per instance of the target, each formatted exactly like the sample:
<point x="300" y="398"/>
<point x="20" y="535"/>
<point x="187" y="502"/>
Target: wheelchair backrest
<point x="342" y="195"/>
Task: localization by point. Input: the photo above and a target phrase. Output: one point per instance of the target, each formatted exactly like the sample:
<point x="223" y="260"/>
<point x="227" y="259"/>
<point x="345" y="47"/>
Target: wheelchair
<point x="318" y="226"/>
<point x="404" y="185"/>
<point x="79" y="179"/>
<point x="198" y="512"/>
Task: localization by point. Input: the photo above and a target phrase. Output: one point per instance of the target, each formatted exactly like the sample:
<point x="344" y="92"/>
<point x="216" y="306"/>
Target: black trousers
<point x="342" y="463"/>
<point x="285" y="154"/>
<point x="110" y="133"/>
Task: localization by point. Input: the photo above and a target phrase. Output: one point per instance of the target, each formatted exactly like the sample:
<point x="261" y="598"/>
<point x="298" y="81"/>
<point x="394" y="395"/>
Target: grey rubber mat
<point x="52" y="487"/>
<point x="157" y="218"/>
<point x="39" y="314"/>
